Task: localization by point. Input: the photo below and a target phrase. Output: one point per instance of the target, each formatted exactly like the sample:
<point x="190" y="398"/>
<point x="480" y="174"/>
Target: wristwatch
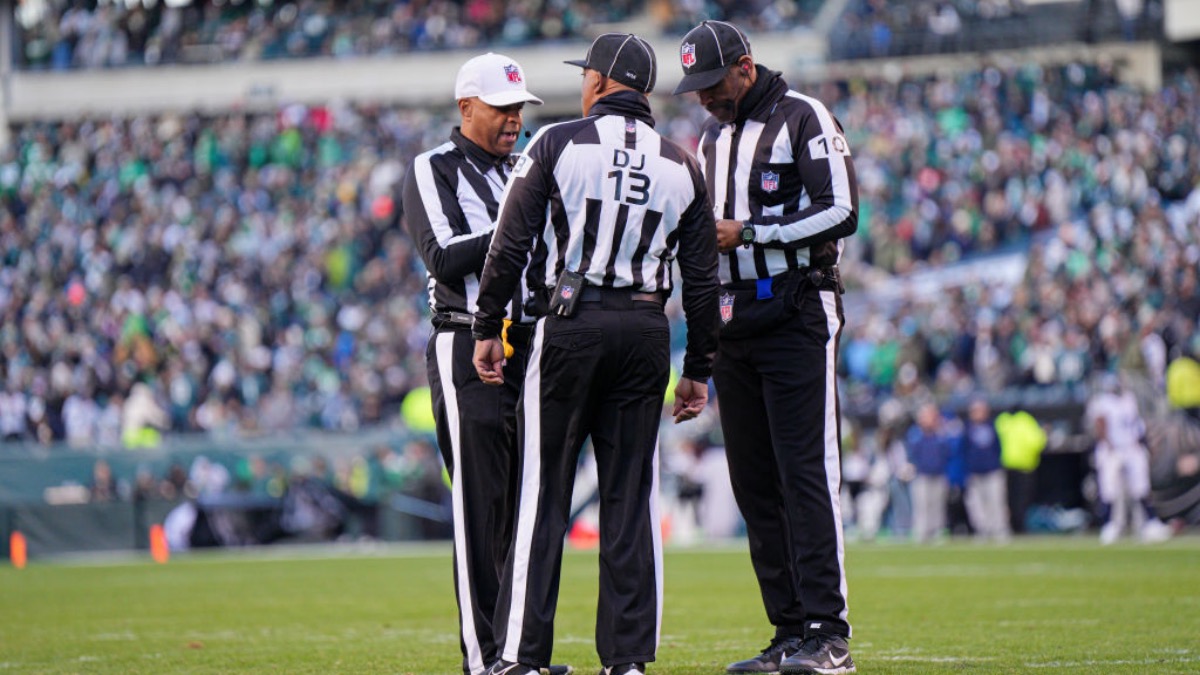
<point x="747" y="235"/>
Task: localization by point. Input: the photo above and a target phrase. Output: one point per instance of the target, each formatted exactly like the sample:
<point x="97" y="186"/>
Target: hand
<point x="489" y="360"/>
<point x="690" y="398"/>
<point x="729" y="235"/>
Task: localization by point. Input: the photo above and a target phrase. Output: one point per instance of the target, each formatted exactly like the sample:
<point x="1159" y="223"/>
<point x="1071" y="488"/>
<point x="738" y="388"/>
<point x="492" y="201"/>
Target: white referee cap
<point x="495" y="79"/>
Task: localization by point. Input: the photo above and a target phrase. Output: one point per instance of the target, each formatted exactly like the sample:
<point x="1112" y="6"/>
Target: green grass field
<point x="1055" y="605"/>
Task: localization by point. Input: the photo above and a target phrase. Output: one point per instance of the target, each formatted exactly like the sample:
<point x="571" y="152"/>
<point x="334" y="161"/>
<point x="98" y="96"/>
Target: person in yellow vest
<point x="1022" y="440"/>
<point x="142" y="418"/>
<point x="1174" y="443"/>
<point x="1183" y="384"/>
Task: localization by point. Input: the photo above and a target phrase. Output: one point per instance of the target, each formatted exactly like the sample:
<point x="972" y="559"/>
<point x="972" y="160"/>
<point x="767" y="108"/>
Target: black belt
<point x="819" y="277"/>
<point x="518" y="333"/>
<point x="453" y="320"/>
<point x="602" y="293"/>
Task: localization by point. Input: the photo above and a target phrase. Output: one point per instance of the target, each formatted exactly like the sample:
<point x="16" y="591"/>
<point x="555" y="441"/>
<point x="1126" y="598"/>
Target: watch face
<point x="747" y="234"/>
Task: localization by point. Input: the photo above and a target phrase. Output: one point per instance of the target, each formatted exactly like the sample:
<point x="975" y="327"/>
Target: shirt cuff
<point x="486" y="328"/>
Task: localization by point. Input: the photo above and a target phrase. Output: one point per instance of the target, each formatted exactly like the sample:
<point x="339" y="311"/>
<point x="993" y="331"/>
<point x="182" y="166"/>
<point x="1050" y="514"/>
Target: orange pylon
<point x="158" y="545"/>
<point x="17" y="550"/>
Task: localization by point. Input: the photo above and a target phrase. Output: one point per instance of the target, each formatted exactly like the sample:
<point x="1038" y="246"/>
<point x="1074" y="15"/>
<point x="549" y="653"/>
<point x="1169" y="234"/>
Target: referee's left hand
<point x="729" y="235"/>
<point x="690" y="398"/>
<point x="489" y="360"/>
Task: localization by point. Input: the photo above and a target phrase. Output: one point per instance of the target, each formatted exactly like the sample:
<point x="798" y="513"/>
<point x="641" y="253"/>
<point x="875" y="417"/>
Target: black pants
<point x="601" y="373"/>
<point x="477" y="434"/>
<point x="777" y="394"/>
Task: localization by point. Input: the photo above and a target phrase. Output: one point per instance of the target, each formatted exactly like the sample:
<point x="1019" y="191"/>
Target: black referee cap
<point x="624" y="57"/>
<point x="707" y="52"/>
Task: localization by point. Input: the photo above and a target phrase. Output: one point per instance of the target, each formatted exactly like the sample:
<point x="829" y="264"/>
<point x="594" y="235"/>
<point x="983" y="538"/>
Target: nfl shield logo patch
<point x="567" y="292"/>
<point x="513" y="74"/>
<point x="770" y="181"/>
<point x="687" y="54"/>
<point x="726" y="308"/>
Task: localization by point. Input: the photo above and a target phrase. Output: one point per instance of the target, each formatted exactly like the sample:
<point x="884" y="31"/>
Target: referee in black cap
<point x="784" y="195"/>
<point x="602" y="208"/>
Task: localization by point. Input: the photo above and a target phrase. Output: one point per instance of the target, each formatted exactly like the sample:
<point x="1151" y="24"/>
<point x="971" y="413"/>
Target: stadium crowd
<point x="63" y="34"/>
<point x="246" y="269"/>
<point x="879" y="28"/>
<point x="1095" y="182"/>
<point x="67" y="34"/>
<point x="248" y="272"/>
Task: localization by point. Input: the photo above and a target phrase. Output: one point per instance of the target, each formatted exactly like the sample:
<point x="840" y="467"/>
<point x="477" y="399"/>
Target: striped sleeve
<point x="449" y="249"/>
<point x="827" y="172"/>
<point x="522" y="213"/>
<point x="698" y="270"/>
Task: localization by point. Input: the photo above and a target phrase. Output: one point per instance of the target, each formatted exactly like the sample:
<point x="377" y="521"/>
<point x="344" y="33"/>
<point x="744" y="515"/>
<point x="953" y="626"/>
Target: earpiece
<point x="745" y="67"/>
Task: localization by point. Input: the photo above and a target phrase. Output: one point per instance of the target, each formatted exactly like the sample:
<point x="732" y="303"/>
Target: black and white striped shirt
<point x="783" y="166"/>
<point x="608" y="197"/>
<point x="451" y="197"/>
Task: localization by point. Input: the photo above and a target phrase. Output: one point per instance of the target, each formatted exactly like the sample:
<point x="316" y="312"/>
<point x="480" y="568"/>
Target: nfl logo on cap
<point x="687" y="54"/>
<point x="770" y="181"/>
<point x="513" y="73"/>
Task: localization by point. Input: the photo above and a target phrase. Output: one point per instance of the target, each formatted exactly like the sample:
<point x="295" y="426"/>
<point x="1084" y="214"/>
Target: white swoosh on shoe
<point x="837" y="662"/>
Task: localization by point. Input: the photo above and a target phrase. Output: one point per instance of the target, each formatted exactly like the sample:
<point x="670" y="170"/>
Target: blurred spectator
<point x="145" y="486"/>
<point x="81" y="418"/>
<point x="1122" y="464"/>
<point x="421" y="476"/>
<point x="142" y="418"/>
<point x="899" y="515"/>
<point x="1130" y="12"/>
<point x="987" y="493"/>
<point x="175" y="484"/>
<point x="103" y="487"/>
<point x="13" y="411"/>
<point x="311" y="511"/>
<point x="251" y="475"/>
<point x="207" y="478"/>
<point x="945" y="28"/>
<point x="707" y="510"/>
<point x="865" y="477"/>
<point x="1174" y="443"/>
<point x="929" y="453"/>
<point x="1022" y="440"/>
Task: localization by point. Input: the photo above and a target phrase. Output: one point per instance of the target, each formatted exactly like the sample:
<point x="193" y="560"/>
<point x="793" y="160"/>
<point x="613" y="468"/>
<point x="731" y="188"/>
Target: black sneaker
<point x="770" y="658"/>
<point x="820" y="653"/>
<point x="509" y="668"/>
<point x="625" y="669"/>
<point x="557" y="670"/>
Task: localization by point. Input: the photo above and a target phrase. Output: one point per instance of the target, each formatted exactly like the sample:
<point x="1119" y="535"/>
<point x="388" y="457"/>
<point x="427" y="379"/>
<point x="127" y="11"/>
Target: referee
<point x="784" y="194"/>
<point x="451" y="196"/>
<point x="604" y="205"/>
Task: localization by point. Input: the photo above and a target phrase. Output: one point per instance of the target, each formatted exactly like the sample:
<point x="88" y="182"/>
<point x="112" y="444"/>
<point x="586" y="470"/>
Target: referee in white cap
<point x="451" y="197"/>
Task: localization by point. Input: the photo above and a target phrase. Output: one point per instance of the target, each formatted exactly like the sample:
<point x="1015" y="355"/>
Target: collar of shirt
<point x="481" y="158"/>
<point x="758" y="103"/>
<point x="625" y="103"/>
